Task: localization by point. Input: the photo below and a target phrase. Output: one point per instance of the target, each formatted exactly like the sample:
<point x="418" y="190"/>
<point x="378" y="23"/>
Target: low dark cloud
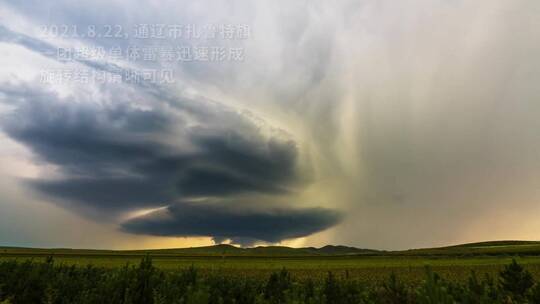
<point x="240" y="225"/>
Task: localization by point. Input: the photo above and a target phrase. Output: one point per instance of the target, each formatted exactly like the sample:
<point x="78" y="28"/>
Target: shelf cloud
<point x="225" y="221"/>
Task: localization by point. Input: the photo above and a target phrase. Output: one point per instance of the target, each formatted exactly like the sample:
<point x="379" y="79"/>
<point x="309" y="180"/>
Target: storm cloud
<point x="418" y="119"/>
<point x="226" y="221"/>
<point x="97" y="145"/>
<point x="112" y="158"/>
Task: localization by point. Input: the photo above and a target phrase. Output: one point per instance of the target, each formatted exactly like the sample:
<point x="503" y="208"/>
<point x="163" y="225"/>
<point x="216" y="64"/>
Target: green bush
<point x="515" y="281"/>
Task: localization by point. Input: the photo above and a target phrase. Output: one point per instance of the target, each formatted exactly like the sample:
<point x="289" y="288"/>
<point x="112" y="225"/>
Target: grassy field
<point x="454" y="263"/>
<point x="491" y="272"/>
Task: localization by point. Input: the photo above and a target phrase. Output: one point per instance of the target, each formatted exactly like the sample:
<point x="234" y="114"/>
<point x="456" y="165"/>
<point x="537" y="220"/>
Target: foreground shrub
<point x="32" y="282"/>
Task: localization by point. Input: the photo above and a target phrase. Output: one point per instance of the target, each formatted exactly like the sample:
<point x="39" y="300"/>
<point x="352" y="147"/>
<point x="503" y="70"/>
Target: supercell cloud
<point x="115" y="158"/>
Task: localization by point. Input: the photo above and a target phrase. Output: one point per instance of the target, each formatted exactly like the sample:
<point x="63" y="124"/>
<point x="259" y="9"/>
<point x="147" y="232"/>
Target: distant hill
<point x="344" y="250"/>
<point x="496" y="244"/>
<point x="229" y="250"/>
<point x="216" y="250"/>
<point x="481" y="248"/>
<point x="509" y="247"/>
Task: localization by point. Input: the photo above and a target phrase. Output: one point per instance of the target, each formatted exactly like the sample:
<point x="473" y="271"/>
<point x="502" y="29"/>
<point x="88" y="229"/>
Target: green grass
<point x="454" y="262"/>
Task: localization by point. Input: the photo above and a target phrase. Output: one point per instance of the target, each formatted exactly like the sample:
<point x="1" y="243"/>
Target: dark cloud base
<point x="240" y="226"/>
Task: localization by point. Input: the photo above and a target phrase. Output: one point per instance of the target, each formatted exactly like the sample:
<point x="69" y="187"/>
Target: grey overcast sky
<point x="371" y="123"/>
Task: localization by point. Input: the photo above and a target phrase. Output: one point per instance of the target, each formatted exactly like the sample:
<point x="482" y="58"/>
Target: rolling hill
<point x="471" y="249"/>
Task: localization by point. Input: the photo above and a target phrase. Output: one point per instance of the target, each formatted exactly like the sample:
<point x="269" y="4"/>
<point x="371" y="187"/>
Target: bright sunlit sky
<point x="371" y="123"/>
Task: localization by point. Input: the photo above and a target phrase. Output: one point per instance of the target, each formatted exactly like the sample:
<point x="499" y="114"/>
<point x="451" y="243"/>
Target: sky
<point x="370" y="123"/>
